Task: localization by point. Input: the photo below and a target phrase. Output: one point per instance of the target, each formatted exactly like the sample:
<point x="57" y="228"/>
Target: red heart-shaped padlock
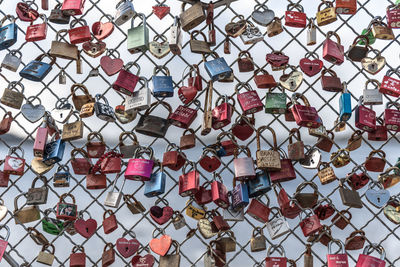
<point x="94" y="49"/>
<point x="127" y="247"/>
<point x="324" y="211"/>
<point x="357" y="180"/>
<point x="25" y="12"/>
<point x="161" y="215"/>
<point x="210" y="164"/>
<point x="187" y="94"/>
<point x="179" y="164"/>
<point x="111" y="66"/>
<point x="242" y="130"/>
<point x="102" y="30"/>
<point x="161" y="246"/>
<point x="145" y="261"/>
<point x="161" y="11"/>
<point x="311" y="67"/>
<point x="85" y="228"/>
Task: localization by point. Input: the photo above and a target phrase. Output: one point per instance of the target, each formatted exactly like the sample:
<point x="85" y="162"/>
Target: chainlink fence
<point x="378" y="229"/>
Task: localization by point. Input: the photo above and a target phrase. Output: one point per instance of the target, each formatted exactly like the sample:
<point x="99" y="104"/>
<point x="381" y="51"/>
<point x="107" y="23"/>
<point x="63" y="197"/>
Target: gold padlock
<point x="227" y="244"/>
<point x="192" y="17"/>
<point x="87" y="110"/>
<point x="46" y="257"/>
<point x="12" y="97"/>
<point x="340" y="158"/>
<point x="327" y="15"/>
<point x="74" y="130"/>
<point x="380" y="30"/>
<point x="136" y="206"/>
<point x="194" y="210"/>
<point x="258" y="243"/>
<point x="326" y="174"/>
<point x="275" y="27"/>
<point x="26" y="214"/>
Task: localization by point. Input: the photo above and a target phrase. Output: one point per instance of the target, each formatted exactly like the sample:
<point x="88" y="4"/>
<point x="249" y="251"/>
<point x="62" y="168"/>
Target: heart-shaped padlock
<point x="324" y="211"/>
<point x="161" y="10"/>
<point x="291" y="81"/>
<point x="25" y="12"/>
<point x="373" y="65"/>
<point x="159" y="49"/>
<point x="85" y="228"/>
<point x="206" y="228"/>
<point x="32" y="112"/>
<point x="3" y="209"/>
<point x="379" y="197"/>
<point x="109" y="65"/>
<point x="103" y="30"/>
<point x="392" y="211"/>
<point x="161" y="215"/>
<point x="312" y="159"/>
<point x="62" y="111"/>
<point x="264" y="17"/>
<point x="39" y="167"/>
<point x="127" y="247"/>
<point x="311" y="67"/>
<point x="143" y="261"/>
<point x="210" y="164"/>
<point x="94" y="49"/>
<point x="243" y="127"/>
<point x="160" y="245"/>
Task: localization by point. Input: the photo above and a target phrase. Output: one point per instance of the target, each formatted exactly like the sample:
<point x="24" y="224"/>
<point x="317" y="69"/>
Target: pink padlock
<point x="126" y="81"/>
<point x="365" y="260"/>
<point x="140" y="169"/>
<point x="337" y="259"/>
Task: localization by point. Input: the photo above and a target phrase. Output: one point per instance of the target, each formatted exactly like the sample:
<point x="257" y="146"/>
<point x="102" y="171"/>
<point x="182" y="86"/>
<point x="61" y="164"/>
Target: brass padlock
<point x="12" y="97"/>
<point x="258" y="243"/>
<point x="25" y="214"/>
<point x="355" y="141"/>
<point x="349" y="197"/>
<point x="192" y="17"/>
<point x="326" y="173"/>
<point x="306" y="200"/>
<point x="63" y="49"/>
<point x="340" y="158"/>
<point x="275" y="27"/>
<point x="74" y="130"/>
<point x="327" y="15"/>
<point x="268" y="159"/>
<point x="46" y="257"/>
<point x="135" y="207"/>
<point x="226" y="244"/>
<point x="199" y="46"/>
<point x="172" y="260"/>
<point x="380" y="30"/>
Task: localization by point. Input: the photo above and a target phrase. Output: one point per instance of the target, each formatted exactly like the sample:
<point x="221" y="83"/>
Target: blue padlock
<point x="217" y="68"/>
<point x="240" y="195"/>
<point x="156" y="185"/>
<point x="218" y="149"/>
<point x="36" y="70"/>
<point x="8" y="33"/>
<point x="162" y="85"/>
<point x="62" y="176"/>
<point x="345" y="104"/>
<point x="54" y="152"/>
<point x="259" y="185"/>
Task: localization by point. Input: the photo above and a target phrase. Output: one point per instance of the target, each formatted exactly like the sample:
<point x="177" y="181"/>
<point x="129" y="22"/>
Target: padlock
<point x="125" y="11"/>
<point x="267" y="159"/>
<point x="375" y="164"/>
<point x="8" y="32"/>
<point x="259" y="185"/>
<point x="357" y="53"/>
<point x="356" y="240"/>
<point x="136" y="206"/>
<point x="264" y="80"/>
<point x="108" y="256"/>
<point x="276" y="261"/>
<point x="312" y="158"/>
<point x="296" y="149"/>
<point x="57" y="15"/>
<point x="14" y="164"/>
<point x="311" y="32"/>
<point x="5" y="123"/>
<point x="365" y="260"/>
<point x="199" y="46"/>
<point x="277" y="226"/>
<point x="41" y="139"/>
<point x="171" y="260"/>
<point x="12" y="97"/>
<point x="390" y="85"/>
<point x="333" y="52"/>
<point x="365" y="118"/>
<point x="217" y="68"/>
<point x="73" y="130"/>
<point x="380" y="133"/>
<point x="345" y="104"/>
<point x="286" y="173"/>
<point x="331" y="83"/>
<point x="258" y="243"/>
<point x="346" y="7"/>
<point x="219" y="222"/>
<point x="175" y="37"/>
<point x="26" y="214"/>
<point x="159" y="49"/>
<point x="203" y="195"/>
<point x="77" y="258"/>
<point x="103" y="110"/>
<point x="178" y="220"/>
<point x="311" y="67"/>
<point x="310" y="224"/>
<point x="63" y="49"/>
<point x="252" y="34"/>
<point x="349" y="197"/>
<point x="195" y="211"/>
<point x="289" y="207"/>
<point x="73" y="7"/>
<point x="191" y="17"/>
<point x="95" y="149"/>
<point x="325" y="143"/>
<point x="358" y="180"/>
<point x="4" y="177"/>
<point x="140" y="99"/>
<point x="227" y="147"/>
<point x="128" y="151"/>
<point x="189" y="181"/>
<point x="54" y="150"/>
<point x="306" y="200"/>
<point x="62" y="177"/>
<point x="79" y="34"/>
<point x="337" y="259"/>
<point x="95" y="180"/>
<point x="245" y="63"/>
<point x="223" y="111"/>
<point x="380" y="30"/>
<point x="244" y="167"/>
<point x="249" y="101"/>
<point x="45" y="255"/>
<point x="275" y="27"/>
<point x="138" y="37"/>
<point x="173" y="158"/>
<point x="162" y="85"/>
<point x="215" y="257"/>
<point x="151" y="125"/>
<point x="38" y="195"/>
<point x="259" y="210"/>
<point x="305" y="115"/>
<point x="342" y="219"/>
<point x="372" y="96"/>
<point x="140" y="169"/>
<point x="327" y="15"/>
<point x="354" y="141"/>
<point x="392" y="117"/>
<point x="110" y="223"/>
<point x="81" y="166"/>
<point x="184" y="116"/>
<point x="340" y="158"/>
<point x="324" y="211"/>
<point x="12" y="60"/>
<point x="113" y="198"/>
<point x="80" y="100"/>
<point x="219" y="192"/>
<point x="126" y="81"/>
<point x="188" y="139"/>
<point x="37" y="70"/>
<point x="37" y="32"/>
<point x="243" y="128"/>
<point x="326" y="173"/>
<point x="278" y="60"/>
<point x="393" y="16"/>
<point x="239" y="195"/>
<point x="226" y="244"/>
<point x="67" y="211"/>
<point x="297" y="18"/>
<point x="209" y="163"/>
<point x="235" y="27"/>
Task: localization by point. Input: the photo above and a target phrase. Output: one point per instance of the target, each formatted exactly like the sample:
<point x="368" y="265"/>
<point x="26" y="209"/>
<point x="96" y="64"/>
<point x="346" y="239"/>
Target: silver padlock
<point x="11" y="61"/>
<point x="252" y="34"/>
<point x="103" y="110"/>
<point x="311" y="33"/>
<point x="372" y="96"/>
<point x="175" y="37"/>
<point x="62" y="77"/>
<point x="277" y="226"/>
<point x="140" y="100"/>
<point x="230" y="214"/>
<point x="125" y="12"/>
<point x="94" y="72"/>
<point x="114" y="198"/>
<point x="178" y="220"/>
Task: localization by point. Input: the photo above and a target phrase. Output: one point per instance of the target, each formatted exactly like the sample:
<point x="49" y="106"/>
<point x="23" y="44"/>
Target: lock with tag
<point x="375" y="164"/>
<point x="392" y="117"/>
<point x="365" y="118"/>
<point x="133" y="204"/>
<point x="357" y="53"/>
<point x="77" y="258"/>
<point x="259" y="210"/>
<point x="275" y="27"/>
<point x="259" y="185"/>
<point x="365" y="260"/>
<point x="151" y="125"/>
<point x="79" y="34"/>
<point x="37" y="195"/>
<point x="333" y="52"/>
<point x="73" y="130"/>
<point x="8" y="32"/>
<point x="296" y="149"/>
<point x="67" y="211"/>
<point x="140" y="169"/>
<point x="326" y="173"/>
<point x="346" y="7"/>
<point x="126" y="81"/>
<point x="249" y="101"/>
<point x="276" y="261"/>
<point x="46" y="255"/>
<point x="138" y="37"/>
<point x="62" y="177"/>
<point x="25" y="214"/>
<point x="390" y="85"/>
<point x="175" y="37"/>
<point x="37" y="32"/>
<point x="81" y="166"/>
<point x="306" y="200"/>
<point x="125" y="11"/>
<point x="295" y="18"/>
<point x="267" y="159"/>
<point x="337" y="259"/>
<point x="349" y="197"/>
<point x="327" y="15"/>
<point x="110" y="223"/>
<point x="258" y="243"/>
<point x="189" y="181"/>
<point x="140" y="99"/>
<point x="380" y="30"/>
<point x="37" y="70"/>
<point x="12" y="60"/>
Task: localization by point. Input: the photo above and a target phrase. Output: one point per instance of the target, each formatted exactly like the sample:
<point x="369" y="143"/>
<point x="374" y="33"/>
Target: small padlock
<point x="136" y="206"/>
<point x="296" y="149"/>
<point x="108" y="256"/>
<point x="184" y="116"/>
<point x="12" y="97"/>
<point x="252" y="34"/>
<point x="258" y="243"/>
<point x="187" y="141"/>
<point x="54" y="150"/>
<point x="357" y="53"/>
<point x="267" y="159"/>
<point x="12" y="60"/>
<point x="375" y="164"/>
<point x="226" y="244"/>
<point x="306" y="200"/>
<point x="191" y="17"/>
<point x="380" y="30"/>
<point x="390" y="85"/>
<point x="326" y="173"/>
<point x="372" y="96"/>
<point x="325" y="143"/>
<point x="37" y="195"/>
<point x="223" y="111"/>
<point x="9" y="32"/>
<point x="356" y="240"/>
<point x="259" y="185"/>
<point x="126" y="81"/>
<point x="77" y="258"/>
<point x="219" y="192"/>
<point x="80" y="166"/>
<point x="346" y="7"/>
<point x="79" y="34"/>
<point x="26" y="214"/>
<point x="140" y="99"/>
<point x="275" y="27"/>
<point x="189" y="181"/>
<point x="217" y="68"/>
<point x="57" y="15"/>
<point x="276" y="261"/>
<point x="244" y="167"/>
<point x="365" y="118"/>
<point x="392" y="117"/>
<point x="175" y="37"/>
<point x="67" y="211"/>
<point x="305" y="115"/>
<point x="311" y="32"/>
<point x="342" y="219"/>
<point x="178" y="220"/>
<point x="345" y="104"/>
<point x="340" y="158"/>
<point x="73" y="130"/>
<point x="138" y="168"/>
<point x="125" y="11"/>
<point x="259" y="210"/>
<point x="327" y="15"/>
<point x="380" y="133"/>
<point x="62" y="177"/>
<point x="249" y="101"/>
<point x="277" y="226"/>
<point x="45" y="257"/>
<point x="73" y="7"/>
<point x="239" y="195"/>
<point x="14" y="164"/>
<point x="199" y="46"/>
<point x="331" y="83"/>
<point x="245" y="64"/>
<point x="110" y="223"/>
<point x="138" y="37"/>
<point x="349" y="197"/>
<point x="310" y="224"/>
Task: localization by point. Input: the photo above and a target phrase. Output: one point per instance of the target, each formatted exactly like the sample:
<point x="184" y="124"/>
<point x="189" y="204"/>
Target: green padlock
<point x="138" y="37"/>
<point x="275" y="103"/>
<point x="51" y="225"/>
<point x="369" y="34"/>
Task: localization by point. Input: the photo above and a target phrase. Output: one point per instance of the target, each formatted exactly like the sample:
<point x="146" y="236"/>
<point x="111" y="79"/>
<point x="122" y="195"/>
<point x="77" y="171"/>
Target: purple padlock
<point x="240" y="196"/>
<point x="140" y="169"/>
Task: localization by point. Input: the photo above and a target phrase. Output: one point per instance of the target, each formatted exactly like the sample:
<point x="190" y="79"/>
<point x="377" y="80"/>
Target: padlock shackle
<point x="244" y="85"/>
<point x="378" y="152"/>
<point x="12" y="150"/>
<point x="337" y="242"/>
<point x="239" y="150"/>
<point x="140" y="15"/>
<point x="48" y="247"/>
<point x="191" y="163"/>
<point x="292" y="132"/>
<point x="41" y="178"/>
<point x="76" y="21"/>
<point x="63" y="196"/>
<point x="126" y="134"/>
<point x="331" y="33"/>
<point x="296" y="96"/>
<point x="370" y="248"/>
<point x="144" y="150"/>
<point x="373" y="81"/>
<point x="361" y="38"/>
<point x="296" y="6"/>
<point x="273" y="248"/>
<point x="226" y="98"/>
<point x="155" y="104"/>
<point x="12" y="85"/>
<point x="327" y="4"/>
<point x="8" y="231"/>
<point x="303" y="185"/>
<point x="108" y="245"/>
<point x="130" y="64"/>
<point x="77" y="248"/>
<point x="7" y="17"/>
<point x="80" y="151"/>
<point x="107" y="212"/>
<point x="193" y="35"/>
<point x="258" y="134"/>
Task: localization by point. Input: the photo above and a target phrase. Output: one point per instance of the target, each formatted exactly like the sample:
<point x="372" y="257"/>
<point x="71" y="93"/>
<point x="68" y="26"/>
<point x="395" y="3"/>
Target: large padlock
<point x="46" y="256"/>
<point x="346" y="7"/>
<point x="295" y="18"/>
<point x="79" y="34"/>
<point x="219" y="192"/>
<point x="14" y="163"/>
<point x="223" y="111"/>
<point x="327" y="15"/>
<point x="244" y="167"/>
<point x="365" y="260"/>
<point x="306" y="200"/>
<point x="393" y="16"/>
<point x="259" y="185"/>
<point x="217" y="68"/>
<point x="36" y="70"/>
<point x="357" y="53"/>
<point x="189" y="181"/>
<point x="365" y="118"/>
<point x="80" y="100"/>
<point x="12" y="97"/>
<point x="37" y="32"/>
<point x="125" y="11"/>
<point x="12" y="60"/>
<point x="172" y="260"/>
<point x="199" y="46"/>
<point x="192" y="17"/>
<point x="337" y="259"/>
<point x="249" y="101"/>
<point x="276" y="261"/>
<point x="151" y="125"/>
<point x="138" y="37"/>
<point x="267" y="159"/>
<point x="73" y="7"/>
<point x="37" y="195"/>
<point x="258" y="243"/>
<point x="372" y="96"/>
<point x="305" y="115"/>
<point x="26" y="214"/>
<point x="156" y="185"/>
<point x="134" y="206"/>
<point x="183" y="116"/>
<point x="390" y="85"/>
<point x="380" y="30"/>
<point x="140" y="99"/>
<point x="126" y="81"/>
<point x="73" y="130"/>
<point x="245" y="62"/>
<point x="310" y="224"/>
<point x="333" y="52"/>
<point x="259" y="210"/>
<point x="57" y="15"/>
<point x="392" y="117"/>
<point x="103" y="110"/>
<point x="375" y="164"/>
<point x="77" y="258"/>
<point x="140" y="169"/>
<point x="8" y="32"/>
<point x="162" y="85"/>
<point x="67" y="211"/>
<point x="175" y="37"/>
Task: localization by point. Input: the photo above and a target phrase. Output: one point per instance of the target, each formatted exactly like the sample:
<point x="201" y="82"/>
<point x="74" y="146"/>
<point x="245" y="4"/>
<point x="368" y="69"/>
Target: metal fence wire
<point x="193" y="246"/>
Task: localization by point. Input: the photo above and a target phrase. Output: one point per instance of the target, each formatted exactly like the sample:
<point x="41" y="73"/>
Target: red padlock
<point x="278" y="60"/>
<point x="79" y="34"/>
<point x="297" y="19"/>
<point x="219" y="221"/>
<point x="228" y="145"/>
<point x="259" y="210"/>
<point x="333" y="52"/>
<point x="5" y="123"/>
<point x="187" y="93"/>
<point x="264" y="80"/>
<point x="243" y="127"/>
<point x="4" y="177"/>
<point x="365" y="117"/>
<point x="203" y="196"/>
<point x="365" y="260"/>
<point x="81" y="166"/>
<point x="219" y="192"/>
<point x="246" y="63"/>
<point x="310" y="224"/>
<point x="375" y="164"/>
<point x="305" y="115"/>
<point x="77" y="259"/>
<point x="346" y="7"/>
<point x="110" y="162"/>
<point x="209" y="163"/>
<point x="25" y="12"/>
<point x="393" y="16"/>
<point x="222" y="113"/>
<point x="276" y="261"/>
<point x="40" y="140"/>
<point x="189" y="182"/>
<point x="96" y="181"/>
<point x="109" y="223"/>
<point x="108" y="256"/>
<point x="356" y="240"/>
<point x="341" y="220"/>
<point x="170" y="156"/>
<point x="14" y="164"/>
<point x="95" y="149"/>
<point x="331" y="83"/>
<point x="289" y="207"/>
<point x="196" y="79"/>
<point x="249" y="101"/>
<point x="126" y="80"/>
<point x="357" y="180"/>
<point x="337" y="259"/>
<point x="380" y="132"/>
<point x="392" y="117"/>
<point x="286" y="173"/>
<point x="288" y="113"/>
<point x="37" y="32"/>
<point x="73" y="7"/>
<point x="390" y="85"/>
<point x="183" y="116"/>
